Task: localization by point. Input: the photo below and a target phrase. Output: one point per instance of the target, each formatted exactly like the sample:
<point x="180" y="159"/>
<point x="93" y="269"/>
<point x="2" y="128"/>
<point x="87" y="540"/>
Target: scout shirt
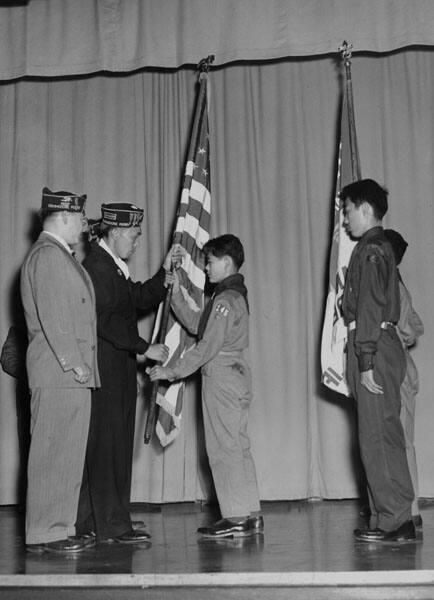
<point x="371" y="293"/>
<point x="226" y="331"/>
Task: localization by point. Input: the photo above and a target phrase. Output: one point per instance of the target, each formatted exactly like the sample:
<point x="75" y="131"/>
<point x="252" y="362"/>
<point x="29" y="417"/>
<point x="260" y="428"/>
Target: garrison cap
<point x="121" y="214"/>
<point x="56" y="201"/>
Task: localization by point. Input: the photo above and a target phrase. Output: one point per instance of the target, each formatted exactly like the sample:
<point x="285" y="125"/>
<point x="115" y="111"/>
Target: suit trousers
<point x="381" y="437"/>
<point x="104" y="504"/>
<point x="226" y="397"/>
<point x="59" y="429"/>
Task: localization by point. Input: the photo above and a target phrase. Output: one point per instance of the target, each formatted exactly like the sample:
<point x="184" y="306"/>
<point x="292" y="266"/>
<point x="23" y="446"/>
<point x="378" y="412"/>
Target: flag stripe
<point x="192" y="232"/>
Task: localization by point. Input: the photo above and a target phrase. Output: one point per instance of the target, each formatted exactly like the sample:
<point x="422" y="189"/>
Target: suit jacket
<point x="117" y="302"/>
<point x="59" y="306"/>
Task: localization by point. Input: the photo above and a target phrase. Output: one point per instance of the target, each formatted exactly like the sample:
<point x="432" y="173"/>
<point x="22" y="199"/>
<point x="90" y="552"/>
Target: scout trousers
<point x="409" y="389"/>
<point x="381" y="437"/>
<point x="59" y="428"/>
<point x="226" y="397"/>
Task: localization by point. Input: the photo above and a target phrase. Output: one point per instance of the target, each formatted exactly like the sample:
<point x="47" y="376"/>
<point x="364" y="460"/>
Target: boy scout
<point x="222" y="332"/>
<point x="376" y="363"/>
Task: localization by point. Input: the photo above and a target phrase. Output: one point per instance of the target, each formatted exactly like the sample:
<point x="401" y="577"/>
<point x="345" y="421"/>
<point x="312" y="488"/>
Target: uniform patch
<point x="373" y="258"/>
<point x="221" y="310"/>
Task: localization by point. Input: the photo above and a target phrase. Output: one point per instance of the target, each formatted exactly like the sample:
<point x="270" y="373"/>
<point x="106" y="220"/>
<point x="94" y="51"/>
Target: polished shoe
<point x="68" y="546"/>
<point x="257" y="524"/>
<point x="404" y="533"/>
<point x="138" y="524"/>
<point x="227" y="528"/>
<point x="135" y="536"/>
<point x="417" y="520"/>
<point x="88" y="539"/>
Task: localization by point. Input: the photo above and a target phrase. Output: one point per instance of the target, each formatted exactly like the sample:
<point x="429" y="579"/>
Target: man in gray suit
<point x="59" y="305"/>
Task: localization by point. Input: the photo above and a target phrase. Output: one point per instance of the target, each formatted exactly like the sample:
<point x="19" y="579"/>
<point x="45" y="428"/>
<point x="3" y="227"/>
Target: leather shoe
<point x="137" y="524"/>
<point x="404" y="533"/>
<point x="227" y="528"/>
<point x="135" y="536"/>
<point x="257" y="524"/>
<point x="68" y="546"/>
<point x="88" y="539"/>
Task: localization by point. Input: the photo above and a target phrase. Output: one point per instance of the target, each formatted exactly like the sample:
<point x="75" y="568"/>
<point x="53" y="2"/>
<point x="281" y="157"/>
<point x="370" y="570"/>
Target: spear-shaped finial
<point x="346" y="50"/>
<point x="203" y="65"/>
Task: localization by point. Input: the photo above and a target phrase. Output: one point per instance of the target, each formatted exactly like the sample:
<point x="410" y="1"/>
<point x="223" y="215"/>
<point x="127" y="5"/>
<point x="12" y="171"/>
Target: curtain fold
<point x="51" y="38"/>
<point x="273" y="149"/>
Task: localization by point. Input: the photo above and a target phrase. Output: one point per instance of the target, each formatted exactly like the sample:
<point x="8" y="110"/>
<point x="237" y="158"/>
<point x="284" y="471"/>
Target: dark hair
<point x="97" y="229"/>
<point x="398" y="243"/>
<point x="226" y="245"/>
<point x="367" y="190"/>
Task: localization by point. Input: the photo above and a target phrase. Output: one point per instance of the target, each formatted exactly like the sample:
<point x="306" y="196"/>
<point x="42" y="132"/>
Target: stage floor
<point x="300" y="536"/>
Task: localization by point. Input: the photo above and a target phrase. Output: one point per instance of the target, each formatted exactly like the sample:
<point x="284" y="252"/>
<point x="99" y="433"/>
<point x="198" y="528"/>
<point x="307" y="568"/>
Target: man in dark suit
<point x="105" y="494"/>
<point x="59" y="306"/>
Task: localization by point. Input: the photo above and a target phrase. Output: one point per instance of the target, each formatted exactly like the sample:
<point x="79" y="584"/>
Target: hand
<point x="157" y="373"/>
<point x="82" y="374"/>
<point x="367" y="380"/>
<point x="158" y="352"/>
<point x="174" y="257"/>
<point x="172" y="278"/>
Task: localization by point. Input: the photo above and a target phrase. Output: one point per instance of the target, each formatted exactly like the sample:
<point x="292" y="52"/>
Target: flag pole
<point x="346" y="50"/>
<point x="202" y="67"/>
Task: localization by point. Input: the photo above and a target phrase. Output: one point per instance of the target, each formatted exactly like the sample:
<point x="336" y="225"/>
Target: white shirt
<point x="60" y="240"/>
<point x="120" y="263"/>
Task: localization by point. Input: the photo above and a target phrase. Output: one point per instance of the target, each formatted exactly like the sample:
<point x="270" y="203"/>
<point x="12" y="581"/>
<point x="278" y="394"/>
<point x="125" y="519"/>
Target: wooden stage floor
<point x="306" y="546"/>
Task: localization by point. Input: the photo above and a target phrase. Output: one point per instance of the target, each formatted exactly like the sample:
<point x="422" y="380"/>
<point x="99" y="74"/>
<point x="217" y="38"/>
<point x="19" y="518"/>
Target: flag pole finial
<point x="346" y="49"/>
<point x="204" y="64"/>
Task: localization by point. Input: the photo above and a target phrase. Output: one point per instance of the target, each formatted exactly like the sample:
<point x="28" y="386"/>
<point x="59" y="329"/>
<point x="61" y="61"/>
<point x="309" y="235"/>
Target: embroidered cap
<point x="55" y="201"/>
<point x="121" y="214"/>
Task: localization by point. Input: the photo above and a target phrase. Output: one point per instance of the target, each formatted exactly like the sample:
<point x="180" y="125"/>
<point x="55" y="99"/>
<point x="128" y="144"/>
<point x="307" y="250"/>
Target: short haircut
<point x="367" y="190"/>
<point x="226" y="245"/>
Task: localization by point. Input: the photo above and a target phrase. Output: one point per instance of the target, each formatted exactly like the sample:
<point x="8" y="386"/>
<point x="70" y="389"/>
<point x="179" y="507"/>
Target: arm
<point x="219" y="323"/>
<point x="189" y="316"/>
<point x="410" y="326"/>
<point x="371" y="302"/>
<point x="150" y="293"/>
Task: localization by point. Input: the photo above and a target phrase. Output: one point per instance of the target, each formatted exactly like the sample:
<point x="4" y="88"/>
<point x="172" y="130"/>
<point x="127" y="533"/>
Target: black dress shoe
<point x="88" y="539"/>
<point x="138" y="524"/>
<point x="68" y="546"/>
<point x="404" y="533"/>
<point x="227" y="528"/>
<point x="135" y="536"/>
<point x="257" y="524"/>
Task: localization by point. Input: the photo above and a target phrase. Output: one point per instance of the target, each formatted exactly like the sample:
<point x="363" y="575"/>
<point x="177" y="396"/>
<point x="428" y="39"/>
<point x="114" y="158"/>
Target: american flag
<point x="192" y="232"/>
<point x="334" y="335"/>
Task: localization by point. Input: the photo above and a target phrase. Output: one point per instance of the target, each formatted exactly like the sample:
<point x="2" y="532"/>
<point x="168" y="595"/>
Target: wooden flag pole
<point x="346" y="50"/>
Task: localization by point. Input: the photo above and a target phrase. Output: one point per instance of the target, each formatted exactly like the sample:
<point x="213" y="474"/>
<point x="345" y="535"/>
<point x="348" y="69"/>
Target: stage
<point x="307" y="551"/>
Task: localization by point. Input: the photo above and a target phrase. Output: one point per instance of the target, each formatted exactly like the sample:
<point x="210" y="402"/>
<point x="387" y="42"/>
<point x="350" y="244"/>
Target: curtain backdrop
<point x="273" y="131"/>
<point x="65" y="37"/>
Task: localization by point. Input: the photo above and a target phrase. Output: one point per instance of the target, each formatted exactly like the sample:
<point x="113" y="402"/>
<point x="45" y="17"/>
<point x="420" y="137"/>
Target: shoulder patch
<point x="221" y="310"/>
<point x="373" y="258"/>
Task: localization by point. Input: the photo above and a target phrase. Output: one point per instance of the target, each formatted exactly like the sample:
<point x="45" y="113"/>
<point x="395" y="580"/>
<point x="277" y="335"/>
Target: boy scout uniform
<point x="226" y="392"/>
<point x="371" y="309"/>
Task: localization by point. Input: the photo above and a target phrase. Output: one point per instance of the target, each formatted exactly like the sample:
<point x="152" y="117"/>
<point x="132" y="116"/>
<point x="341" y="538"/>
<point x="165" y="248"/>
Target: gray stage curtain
<point x="70" y="37"/>
<point x="273" y="152"/>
